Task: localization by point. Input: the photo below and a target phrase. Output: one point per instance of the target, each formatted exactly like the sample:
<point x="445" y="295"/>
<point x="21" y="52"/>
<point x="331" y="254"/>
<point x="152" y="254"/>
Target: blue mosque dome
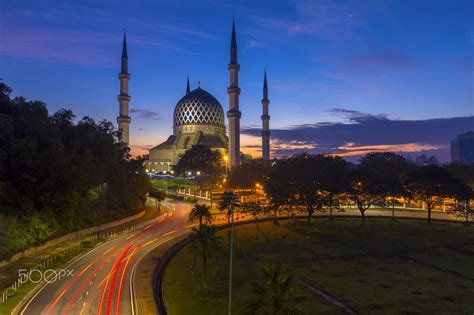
<point x="198" y="107"/>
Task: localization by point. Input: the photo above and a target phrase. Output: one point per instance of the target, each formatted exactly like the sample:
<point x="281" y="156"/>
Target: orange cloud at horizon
<point x="353" y="150"/>
<point x="252" y="145"/>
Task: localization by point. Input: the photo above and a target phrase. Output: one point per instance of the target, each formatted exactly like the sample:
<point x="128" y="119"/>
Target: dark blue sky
<point x="326" y="60"/>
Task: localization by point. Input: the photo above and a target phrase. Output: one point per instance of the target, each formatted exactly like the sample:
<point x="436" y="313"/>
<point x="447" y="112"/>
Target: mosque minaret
<point x="124" y="119"/>
<point x="265" y="121"/>
<point x="198" y="119"/>
<point x="234" y="114"/>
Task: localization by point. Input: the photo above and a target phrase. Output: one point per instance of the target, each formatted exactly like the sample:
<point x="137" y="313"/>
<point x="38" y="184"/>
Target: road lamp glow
<point x="189" y="173"/>
<point x="198" y="173"/>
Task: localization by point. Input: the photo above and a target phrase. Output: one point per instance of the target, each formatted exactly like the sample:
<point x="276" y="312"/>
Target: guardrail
<point x="107" y="235"/>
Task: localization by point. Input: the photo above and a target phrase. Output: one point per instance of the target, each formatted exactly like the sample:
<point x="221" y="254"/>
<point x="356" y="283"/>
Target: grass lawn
<point x="380" y="267"/>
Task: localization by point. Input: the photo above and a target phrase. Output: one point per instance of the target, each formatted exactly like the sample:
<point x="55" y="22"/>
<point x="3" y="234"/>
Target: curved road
<point x="102" y="280"/>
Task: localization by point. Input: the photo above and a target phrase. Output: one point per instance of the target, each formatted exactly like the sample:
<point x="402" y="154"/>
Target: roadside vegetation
<point x="59" y="174"/>
<point x="15" y="296"/>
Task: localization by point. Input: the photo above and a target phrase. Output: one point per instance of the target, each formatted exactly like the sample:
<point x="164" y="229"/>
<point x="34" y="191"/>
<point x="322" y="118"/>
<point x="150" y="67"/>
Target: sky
<point x="345" y="77"/>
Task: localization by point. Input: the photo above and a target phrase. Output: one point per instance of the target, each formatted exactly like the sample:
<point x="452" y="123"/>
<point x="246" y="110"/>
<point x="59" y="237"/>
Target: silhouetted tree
<point x="275" y="293"/>
<point x="51" y="167"/>
<point x="334" y="176"/>
<point x="205" y="241"/>
<point x="298" y="181"/>
<point x="229" y="202"/>
<point x="158" y="195"/>
<point x="255" y="209"/>
<point x="431" y="184"/>
<point x="463" y="207"/>
<point x="248" y="174"/>
<point x="200" y="212"/>
<point x="389" y="168"/>
<point x="202" y="159"/>
<point x="365" y="189"/>
<point x="464" y="172"/>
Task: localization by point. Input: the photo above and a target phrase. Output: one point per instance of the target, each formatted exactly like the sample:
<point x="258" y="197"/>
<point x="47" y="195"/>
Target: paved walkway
<point x="220" y="218"/>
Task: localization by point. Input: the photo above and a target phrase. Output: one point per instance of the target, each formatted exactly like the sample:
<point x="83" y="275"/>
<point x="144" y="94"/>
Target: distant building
<point x="423" y="160"/>
<point x="462" y="148"/>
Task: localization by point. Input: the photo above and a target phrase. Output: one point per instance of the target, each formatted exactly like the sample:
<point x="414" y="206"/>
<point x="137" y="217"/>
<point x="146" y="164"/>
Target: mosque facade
<point x="198" y="119"/>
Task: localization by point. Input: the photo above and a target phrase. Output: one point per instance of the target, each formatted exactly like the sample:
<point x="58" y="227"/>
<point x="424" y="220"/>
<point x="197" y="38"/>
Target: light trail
<point x="119" y="293"/>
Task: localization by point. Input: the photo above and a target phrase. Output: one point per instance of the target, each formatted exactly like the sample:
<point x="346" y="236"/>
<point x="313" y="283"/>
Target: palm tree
<point x="200" y="212"/>
<point x="230" y="202"/>
<point x="275" y="293"/>
<point x="204" y="243"/>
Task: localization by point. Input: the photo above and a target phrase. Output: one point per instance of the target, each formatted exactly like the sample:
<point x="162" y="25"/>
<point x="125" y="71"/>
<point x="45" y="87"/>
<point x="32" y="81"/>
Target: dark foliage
<point x="58" y="176"/>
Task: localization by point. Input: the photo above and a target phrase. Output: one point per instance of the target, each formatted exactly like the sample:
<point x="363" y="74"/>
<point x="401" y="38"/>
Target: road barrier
<point x="26" y="274"/>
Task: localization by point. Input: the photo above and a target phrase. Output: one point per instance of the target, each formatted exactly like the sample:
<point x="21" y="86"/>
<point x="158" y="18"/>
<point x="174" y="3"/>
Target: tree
<point x="158" y="195"/>
<point x="248" y="174"/>
<point x="364" y="190"/>
<point x="463" y="207"/>
<point x="389" y="168"/>
<point x="255" y="209"/>
<point x="431" y="184"/>
<point x="201" y="213"/>
<point x="230" y="202"/>
<point x="275" y="293"/>
<point x="49" y="165"/>
<point x="200" y="158"/>
<point x="334" y="174"/>
<point x="204" y="243"/>
<point x="299" y="181"/>
<point x="464" y="172"/>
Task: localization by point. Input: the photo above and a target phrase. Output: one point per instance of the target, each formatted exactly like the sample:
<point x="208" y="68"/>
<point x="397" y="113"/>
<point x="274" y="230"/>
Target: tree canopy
<point x="203" y="163"/>
<point x="58" y="175"/>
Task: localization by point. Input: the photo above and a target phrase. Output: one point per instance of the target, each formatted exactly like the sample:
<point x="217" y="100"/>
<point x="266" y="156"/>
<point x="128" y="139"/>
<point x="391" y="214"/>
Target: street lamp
<point x="226" y="159"/>
<point x="198" y="173"/>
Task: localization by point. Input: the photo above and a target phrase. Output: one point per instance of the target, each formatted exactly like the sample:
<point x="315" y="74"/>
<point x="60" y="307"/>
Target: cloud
<point x="361" y="133"/>
<point x="357" y="116"/>
<point x="351" y="149"/>
<point x="251" y="44"/>
<point x="145" y="113"/>
<point x="380" y="60"/>
<point x="334" y="20"/>
<point x="56" y="46"/>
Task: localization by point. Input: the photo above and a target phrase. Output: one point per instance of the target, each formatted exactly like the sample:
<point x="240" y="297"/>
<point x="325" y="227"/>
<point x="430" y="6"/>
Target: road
<point x="102" y="280"/>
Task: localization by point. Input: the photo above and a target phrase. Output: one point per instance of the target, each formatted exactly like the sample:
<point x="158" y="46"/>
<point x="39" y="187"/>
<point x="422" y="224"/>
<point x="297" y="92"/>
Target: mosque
<point x="198" y="119"/>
